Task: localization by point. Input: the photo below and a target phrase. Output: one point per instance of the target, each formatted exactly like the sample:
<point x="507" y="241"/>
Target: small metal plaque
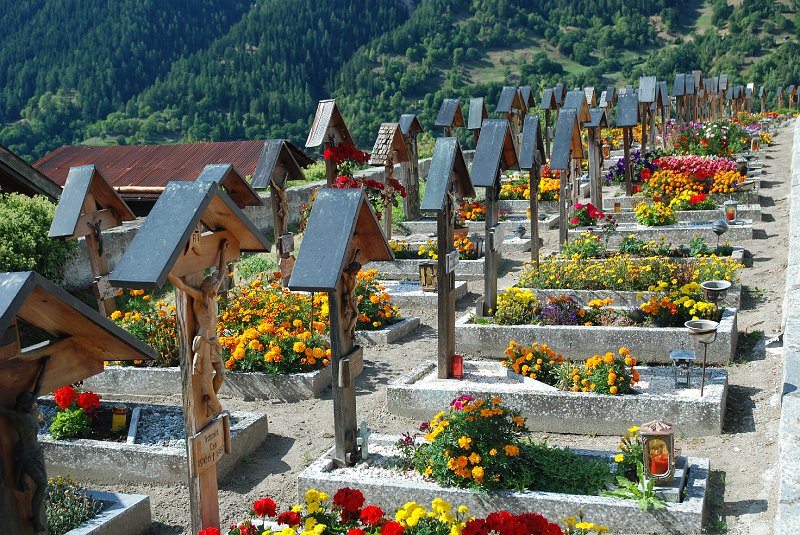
<point x="104" y="289"/>
<point x="350" y="366"/>
<point x="451" y="261"/>
<point x="286" y="243"/>
<point x="208" y="446"/>
<point x="496" y="236"/>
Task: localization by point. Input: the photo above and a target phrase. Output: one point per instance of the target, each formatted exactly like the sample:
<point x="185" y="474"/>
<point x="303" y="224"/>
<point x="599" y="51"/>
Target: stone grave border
<point x="620" y="515"/>
<point x="547" y="409"/>
<point x="124" y="514"/>
<point x="409" y="269"/>
<point x="675" y="233"/>
<point x="647" y="344"/>
<point x="412" y="295"/>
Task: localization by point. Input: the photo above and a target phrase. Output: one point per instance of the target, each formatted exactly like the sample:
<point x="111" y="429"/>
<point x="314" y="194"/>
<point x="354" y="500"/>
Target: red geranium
<point x="372" y="515"/>
<point x="345" y="151"/>
<point x="209" y="531"/>
<point x="348" y="499"/>
<point x="89" y="401"/>
<point x="392" y="528"/>
<point x="265" y="507"/>
<point x="356" y="531"/>
<point x="65" y="396"/>
<point x="645" y="174"/>
<point x="290" y="518"/>
<point x="700" y="197"/>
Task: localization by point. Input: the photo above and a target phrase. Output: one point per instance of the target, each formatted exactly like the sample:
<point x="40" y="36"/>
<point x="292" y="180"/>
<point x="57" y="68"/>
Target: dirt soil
<point x="744" y="470"/>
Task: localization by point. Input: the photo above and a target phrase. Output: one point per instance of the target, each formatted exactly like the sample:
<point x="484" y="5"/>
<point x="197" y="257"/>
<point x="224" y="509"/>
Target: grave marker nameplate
<point x="208" y="446"/>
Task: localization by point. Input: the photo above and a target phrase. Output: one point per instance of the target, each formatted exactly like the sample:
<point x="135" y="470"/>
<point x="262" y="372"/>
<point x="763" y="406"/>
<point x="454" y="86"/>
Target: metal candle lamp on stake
<point x="731" y="210"/>
<point x="704" y="332"/>
<point x="719" y="227"/>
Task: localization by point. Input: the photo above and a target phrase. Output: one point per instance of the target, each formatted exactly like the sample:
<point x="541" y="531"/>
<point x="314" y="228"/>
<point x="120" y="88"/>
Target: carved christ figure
<point x="207" y="358"/>
<point x="285" y="261"/>
<point x="29" y="456"/>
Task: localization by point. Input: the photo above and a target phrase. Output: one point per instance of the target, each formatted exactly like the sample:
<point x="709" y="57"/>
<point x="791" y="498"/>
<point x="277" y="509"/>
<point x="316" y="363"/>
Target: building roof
<point x="151" y="165"/>
<point x="16" y="175"/>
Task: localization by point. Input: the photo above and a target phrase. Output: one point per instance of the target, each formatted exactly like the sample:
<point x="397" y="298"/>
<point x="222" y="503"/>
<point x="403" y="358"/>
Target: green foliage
<point x="252" y="265"/>
<point x="68" y="505"/>
<point x="643" y="491"/>
<point x="70" y="423"/>
<point x="24" y="245"/>
<point x="315" y="171"/>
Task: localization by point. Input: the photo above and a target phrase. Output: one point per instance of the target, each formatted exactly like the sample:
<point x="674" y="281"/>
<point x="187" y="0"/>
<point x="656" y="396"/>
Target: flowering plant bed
<point x="717" y="138"/>
<point x="675" y="233"/>
<point x="516" y="185"/>
<point x="650" y="344"/>
<point x="476" y="211"/>
<point x="405" y="250"/>
<point x="420" y="393"/>
<point x="590" y="245"/>
<point x="585" y="215"/>
<point x="391" y="489"/>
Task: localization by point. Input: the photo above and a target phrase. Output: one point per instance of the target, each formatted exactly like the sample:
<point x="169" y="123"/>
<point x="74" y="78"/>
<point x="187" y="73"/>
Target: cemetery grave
<point x="620" y="295"/>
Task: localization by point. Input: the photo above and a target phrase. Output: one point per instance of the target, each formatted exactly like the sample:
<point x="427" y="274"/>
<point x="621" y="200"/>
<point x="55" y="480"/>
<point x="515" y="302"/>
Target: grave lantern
<point x="627" y="118"/>
<point x="494" y="154"/>
<point x="448" y="181"/>
<point x="87" y="207"/>
<point x="280" y="161"/>
<point x="682" y="363"/>
<point x="477" y="114"/>
<point x="329" y="130"/>
<point x="77" y="340"/>
<point x="342" y="235"/>
<point x="410" y="128"/>
<point x="658" y="442"/>
<point x="389" y="150"/>
<point x="194" y="226"/>
<point x="457" y="367"/>
<point x="531" y="158"/>
<point x="731" y="210"/>
<point x="606" y="150"/>
<point x="755" y="142"/>
<point x="566" y="143"/>
<point x="450" y="116"/>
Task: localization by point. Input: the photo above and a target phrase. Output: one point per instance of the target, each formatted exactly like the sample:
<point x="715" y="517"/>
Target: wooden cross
<point x="477" y="114"/>
<point x="450" y="116"/>
<point x="411" y="127"/>
<point x="566" y="143"/>
<point x="510" y="106"/>
<point x="548" y="105"/>
<point x="329" y="130"/>
<point x="531" y="156"/>
<point x="494" y="154"/>
<point x="192" y="227"/>
<point x="328" y="261"/>
<point x="89" y="206"/>
<point x="78" y="341"/>
<point x="647" y="95"/>
<point x="280" y="161"/>
<point x="448" y="181"/>
<point x="594" y="135"/>
<point x="627" y="118"/>
<point x="389" y="150"/>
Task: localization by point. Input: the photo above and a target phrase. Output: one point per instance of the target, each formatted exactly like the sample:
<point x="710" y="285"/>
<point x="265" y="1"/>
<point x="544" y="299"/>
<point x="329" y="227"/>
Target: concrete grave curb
<point x="389" y="334"/>
<point x="678" y="234"/>
<point x="409" y="269"/>
<point x="125" y="514"/>
<point x="647" y="344"/>
<point x="419" y="394"/>
<point x="408" y="293"/>
<point x="619" y="515"/>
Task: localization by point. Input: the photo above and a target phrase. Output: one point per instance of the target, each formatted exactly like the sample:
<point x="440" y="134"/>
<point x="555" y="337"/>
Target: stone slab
<point x="388" y="335"/>
<point x="513" y="206"/>
<point x="647" y="344"/>
<point x="125" y="514"/>
<point x="621" y="516"/>
<point x="409" y="269"/>
<point x="409" y="294"/>
<point x="419" y="394"/>
<point x="131" y="381"/>
<point x="111" y="463"/>
<point x="677" y="234"/>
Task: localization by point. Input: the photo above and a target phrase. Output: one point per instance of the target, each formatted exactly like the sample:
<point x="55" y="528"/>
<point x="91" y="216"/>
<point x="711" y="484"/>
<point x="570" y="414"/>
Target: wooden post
<point x="446" y="298"/>
<point x="98" y="261"/>
<point x="342" y="323"/>
<point x="664" y="120"/>
<point x="411" y="210"/>
<point x="595" y="191"/>
<point x="626" y="146"/>
<point x="563" y="210"/>
<point x="331" y="172"/>
<point x="492" y="255"/>
<point x="547" y="135"/>
<point x="534" y="177"/>
<point x="645" y="111"/>
<point x="387" y="204"/>
<point x="284" y="241"/>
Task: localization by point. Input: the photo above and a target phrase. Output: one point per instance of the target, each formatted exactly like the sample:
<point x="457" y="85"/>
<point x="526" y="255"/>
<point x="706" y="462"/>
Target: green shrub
<point x="68" y="506"/>
<point x="24" y="245"/>
<point x="315" y="171"/>
<point x="70" y="423"/>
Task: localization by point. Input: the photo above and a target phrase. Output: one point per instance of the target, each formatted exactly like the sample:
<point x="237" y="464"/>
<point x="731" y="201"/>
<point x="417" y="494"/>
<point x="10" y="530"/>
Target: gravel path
<point x="743" y="459"/>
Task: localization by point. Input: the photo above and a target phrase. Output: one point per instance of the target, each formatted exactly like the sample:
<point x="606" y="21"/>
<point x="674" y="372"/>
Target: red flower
<point x="209" y="531"/>
<point x="356" y="531"/>
<point x="392" y="528"/>
<point x="65" y="396"/>
<point x="371" y="515"/>
<point x="290" y="518"/>
<point x="575" y="221"/>
<point x="264" y="507"/>
<point x="89" y="401"/>
<point x="348" y="499"/>
<point x="645" y="174"/>
<point x="700" y="197"/>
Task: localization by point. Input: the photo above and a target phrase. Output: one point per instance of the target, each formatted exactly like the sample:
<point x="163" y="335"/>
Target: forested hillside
<point x="138" y="71"/>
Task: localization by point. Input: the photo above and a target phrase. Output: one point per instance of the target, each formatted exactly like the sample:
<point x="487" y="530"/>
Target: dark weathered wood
<point x="446" y="298"/>
<point x="411" y="127"/>
<point x="626" y="145"/>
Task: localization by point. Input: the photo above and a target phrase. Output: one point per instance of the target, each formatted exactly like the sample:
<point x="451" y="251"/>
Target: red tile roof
<point x="151" y="165"/>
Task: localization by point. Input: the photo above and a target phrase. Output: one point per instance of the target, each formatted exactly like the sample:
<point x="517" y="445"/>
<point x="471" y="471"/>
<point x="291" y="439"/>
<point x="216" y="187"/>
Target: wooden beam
<point x="107" y="219"/>
<point x="44" y="349"/>
<point x="191" y="262"/>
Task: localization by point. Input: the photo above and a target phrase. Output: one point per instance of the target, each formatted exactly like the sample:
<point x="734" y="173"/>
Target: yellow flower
<point x="511" y="450"/>
<point x="465" y="442"/>
<point x="619" y="458"/>
<point x="299" y="347"/>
